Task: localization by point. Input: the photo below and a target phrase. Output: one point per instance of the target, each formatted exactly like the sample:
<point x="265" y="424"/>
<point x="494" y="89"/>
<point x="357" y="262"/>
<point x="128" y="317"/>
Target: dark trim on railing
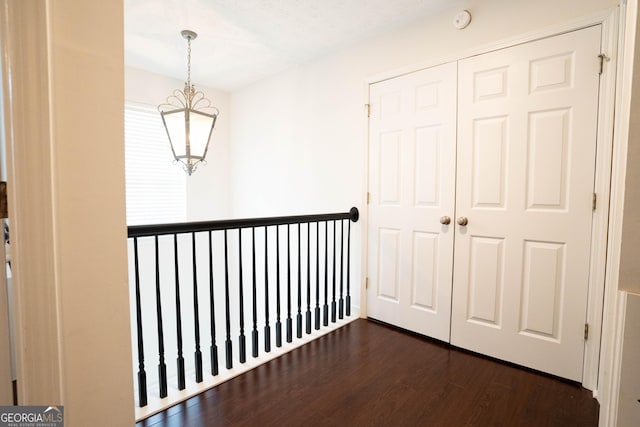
<point x="307" y="314"/>
<point x="341" y="300"/>
<point x="196" y="310"/>
<point x="242" y="340"/>
<point x="289" y="319"/>
<point x="142" y="375"/>
<point x="229" y="224"/>
<point x="227" y="344"/>
<point x="180" y="358"/>
<point x="333" y="288"/>
<point x="299" y="314"/>
<point x="278" y="299"/>
<point x="348" y="308"/>
<point x="162" y="367"/>
<point x="325" y="307"/>
<point x="317" y="308"/>
<point x="214" y="347"/>
<point x="254" y="331"/>
<point x="267" y="327"/>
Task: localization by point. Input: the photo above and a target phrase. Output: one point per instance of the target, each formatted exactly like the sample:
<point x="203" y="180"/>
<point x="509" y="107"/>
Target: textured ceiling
<point x="242" y="41"/>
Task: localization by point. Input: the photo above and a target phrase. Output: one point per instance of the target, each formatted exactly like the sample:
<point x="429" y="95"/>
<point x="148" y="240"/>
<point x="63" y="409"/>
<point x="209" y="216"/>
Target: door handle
<point x="463" y="220"/>
<point x="445" y="220"/>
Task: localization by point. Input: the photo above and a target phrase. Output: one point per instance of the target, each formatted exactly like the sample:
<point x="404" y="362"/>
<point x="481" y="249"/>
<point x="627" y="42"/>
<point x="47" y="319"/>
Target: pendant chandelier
<point x="189" y="119"/>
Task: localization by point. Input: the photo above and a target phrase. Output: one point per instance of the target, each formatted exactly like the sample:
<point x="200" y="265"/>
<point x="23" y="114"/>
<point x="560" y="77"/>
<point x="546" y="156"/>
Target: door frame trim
<point x="614" y="313"/>
<point x="31" y="200"/>
<point x="602" y="188"/>
<point x="598" y="277"/>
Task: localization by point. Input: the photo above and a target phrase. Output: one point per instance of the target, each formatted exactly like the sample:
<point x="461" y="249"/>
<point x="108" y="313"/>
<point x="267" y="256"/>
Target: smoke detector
<point x="462" y="19"/>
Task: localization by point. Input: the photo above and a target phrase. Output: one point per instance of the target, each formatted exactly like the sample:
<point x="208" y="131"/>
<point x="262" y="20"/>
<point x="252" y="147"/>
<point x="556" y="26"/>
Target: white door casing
<point x="527" y="123"/>
<point x="412" y="186"/>
<point x="6" y="367"/>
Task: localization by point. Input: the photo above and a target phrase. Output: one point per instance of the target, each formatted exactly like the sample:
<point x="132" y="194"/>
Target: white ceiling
<point x="242" y="41"/>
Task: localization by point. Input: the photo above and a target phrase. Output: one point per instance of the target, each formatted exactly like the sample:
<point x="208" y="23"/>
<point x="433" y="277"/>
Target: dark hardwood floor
<point x="368" y="374"/>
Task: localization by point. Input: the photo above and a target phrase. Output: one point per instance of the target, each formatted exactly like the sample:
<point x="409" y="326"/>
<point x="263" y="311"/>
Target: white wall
<point x="629" y="273"/>
<point x="628" y="406"/>
<point x="629" y="266"/>
<point x="208" y="188"/>
<point x="299" y="138"/>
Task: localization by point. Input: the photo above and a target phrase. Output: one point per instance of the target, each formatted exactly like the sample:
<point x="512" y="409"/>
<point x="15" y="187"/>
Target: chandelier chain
<point x="189" y="62"/>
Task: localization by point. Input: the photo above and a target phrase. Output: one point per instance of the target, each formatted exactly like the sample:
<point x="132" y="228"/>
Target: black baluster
<point x="289" y="319"/>
<point x="348" y="308"/>
<point x="278" y="323"/>
<point x="317" y="309"/>
<point x="196" y="311"/>
<point x="228" y="344"/>
<point x="267" y="328"/>
<point x="242" y="339"/>
<point x="180" y="360"/>
<point x="341" y="300"/>
<point x="333" y="297"/>
<point x="325" y="307"/>
<point x="162" y="367"/>
<point x="142" y="375"/>
<point x="254" y="332"/>
<point x="212" y="310"/>
<point x="308" y="313"/>
<point x="299" y="315"/>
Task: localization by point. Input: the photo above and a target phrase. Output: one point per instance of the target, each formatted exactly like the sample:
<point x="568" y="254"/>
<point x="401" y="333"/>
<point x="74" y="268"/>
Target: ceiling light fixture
<point x="189" y="119"/>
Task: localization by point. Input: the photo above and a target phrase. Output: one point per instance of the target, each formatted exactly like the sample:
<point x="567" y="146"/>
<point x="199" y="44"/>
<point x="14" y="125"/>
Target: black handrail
<point x="230" y="224"/>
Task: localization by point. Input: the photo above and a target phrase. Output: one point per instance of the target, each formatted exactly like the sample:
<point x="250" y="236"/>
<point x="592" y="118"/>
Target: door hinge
<point x="586" y="331"/>
<point x="366" y="283"/>
<point x="368" y="197"/>
<point x="4" y="205"/>
<point x="368" y="109"/>
<point x="603" y="58"/>
<point x="594" y="201"/>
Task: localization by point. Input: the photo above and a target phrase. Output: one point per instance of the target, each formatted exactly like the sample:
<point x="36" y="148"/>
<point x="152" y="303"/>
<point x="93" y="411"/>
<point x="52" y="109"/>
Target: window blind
<point x="155" y="187"/>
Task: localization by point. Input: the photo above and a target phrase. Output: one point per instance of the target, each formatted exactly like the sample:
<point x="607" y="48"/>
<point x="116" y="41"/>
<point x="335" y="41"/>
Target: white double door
<point x="503" y="143"/>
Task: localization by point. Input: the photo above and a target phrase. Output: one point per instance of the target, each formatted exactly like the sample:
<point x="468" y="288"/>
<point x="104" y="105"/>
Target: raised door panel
<point x="390" y="156"/>
<point x="486" y="281"/>
<point x="425" y="266"/>
<point x="543" y="279"/>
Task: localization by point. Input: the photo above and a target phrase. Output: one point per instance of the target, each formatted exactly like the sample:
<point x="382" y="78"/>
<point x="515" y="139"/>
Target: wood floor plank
<point x="368" y="374"/>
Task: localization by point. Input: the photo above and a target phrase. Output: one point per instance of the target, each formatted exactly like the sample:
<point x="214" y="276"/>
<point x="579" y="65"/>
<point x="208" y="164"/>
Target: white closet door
<point x="526" y="155"/>
<point x="412" y="185"/>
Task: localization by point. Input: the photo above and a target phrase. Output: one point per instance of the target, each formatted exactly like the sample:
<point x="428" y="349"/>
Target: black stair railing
<point x="330" y="282"/>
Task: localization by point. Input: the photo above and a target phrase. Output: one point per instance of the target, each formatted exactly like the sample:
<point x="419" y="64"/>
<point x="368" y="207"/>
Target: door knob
<point x="463" y="220"/>
<point x="445" y="220"/>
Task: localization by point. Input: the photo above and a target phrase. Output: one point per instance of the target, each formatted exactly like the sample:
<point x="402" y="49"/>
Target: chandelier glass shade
<point x="189" y="119"/>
